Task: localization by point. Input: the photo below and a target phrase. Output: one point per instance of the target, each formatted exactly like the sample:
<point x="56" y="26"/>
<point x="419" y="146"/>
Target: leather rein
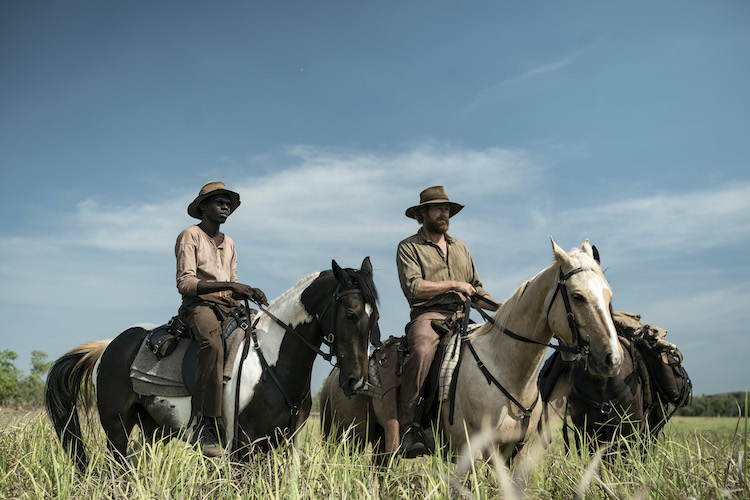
<point x="580" y="346"/>
<point x="328" y="339"/>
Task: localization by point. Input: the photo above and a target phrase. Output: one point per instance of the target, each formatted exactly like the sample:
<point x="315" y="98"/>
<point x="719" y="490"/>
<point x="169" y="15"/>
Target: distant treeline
<point x="17" y="388"/>
<point x="728" y="404"/>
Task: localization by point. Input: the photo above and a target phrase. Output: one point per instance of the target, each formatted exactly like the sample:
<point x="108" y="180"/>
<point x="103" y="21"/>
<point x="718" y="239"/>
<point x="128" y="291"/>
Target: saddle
<point x="166" y="361"/>
<point x="386" y="368"/>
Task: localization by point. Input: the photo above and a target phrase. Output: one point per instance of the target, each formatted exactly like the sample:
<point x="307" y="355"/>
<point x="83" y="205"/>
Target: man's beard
<point x="439" y="226"/>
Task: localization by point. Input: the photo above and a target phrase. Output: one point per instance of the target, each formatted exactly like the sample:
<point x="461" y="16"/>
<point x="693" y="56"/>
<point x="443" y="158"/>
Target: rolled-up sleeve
<point x="409" y="270"/>
<point x="186" y="251"/>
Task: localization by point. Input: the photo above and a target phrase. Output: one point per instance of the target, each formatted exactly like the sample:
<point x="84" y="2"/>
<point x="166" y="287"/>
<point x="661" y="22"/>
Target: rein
<point x="580" y="346"/>
<point x="491" y="380"/>
<point x="250" y="334"/>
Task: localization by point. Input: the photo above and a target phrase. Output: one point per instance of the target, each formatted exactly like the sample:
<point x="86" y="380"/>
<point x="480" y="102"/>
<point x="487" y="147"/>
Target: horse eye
<point x="578" y="297"/>
<point x="350" y="316"/>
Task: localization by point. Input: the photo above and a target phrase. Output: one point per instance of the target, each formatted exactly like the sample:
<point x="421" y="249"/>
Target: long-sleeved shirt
<point x="200" y="259"/>
<point x="417" y="259"/>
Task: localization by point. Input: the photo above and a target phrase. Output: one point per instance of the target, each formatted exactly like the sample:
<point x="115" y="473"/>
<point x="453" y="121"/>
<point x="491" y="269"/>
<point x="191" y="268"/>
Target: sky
<point x="626" y="123"/>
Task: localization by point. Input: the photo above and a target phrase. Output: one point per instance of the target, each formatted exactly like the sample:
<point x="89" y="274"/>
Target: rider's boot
<point x="412" y="440"/>
<point x="207" y="435"/>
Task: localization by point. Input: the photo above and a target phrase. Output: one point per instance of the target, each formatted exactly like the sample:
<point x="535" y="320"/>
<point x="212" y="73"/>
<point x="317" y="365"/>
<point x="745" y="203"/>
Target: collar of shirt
<point x="423" y="239"/>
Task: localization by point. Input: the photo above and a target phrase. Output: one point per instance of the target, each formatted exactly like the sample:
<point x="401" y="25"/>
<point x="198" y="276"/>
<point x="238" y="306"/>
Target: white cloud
<point x="670" y="223"/>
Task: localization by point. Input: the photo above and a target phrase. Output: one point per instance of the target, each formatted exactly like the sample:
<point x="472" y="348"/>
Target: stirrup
<point x="413" y="443"/>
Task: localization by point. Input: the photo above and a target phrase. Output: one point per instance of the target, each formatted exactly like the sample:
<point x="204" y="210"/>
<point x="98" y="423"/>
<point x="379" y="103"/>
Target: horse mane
<point x="362" y="280"/>
<point x="295" y="289"/>
<point x="501" y="317"/>
<point x="506" y="310"/>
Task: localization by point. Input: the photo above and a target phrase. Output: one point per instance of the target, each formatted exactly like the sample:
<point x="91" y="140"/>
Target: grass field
<point x="694" y="458"/>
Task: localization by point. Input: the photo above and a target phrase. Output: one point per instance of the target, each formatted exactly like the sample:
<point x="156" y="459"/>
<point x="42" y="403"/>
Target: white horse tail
<point x="69" y="387"/>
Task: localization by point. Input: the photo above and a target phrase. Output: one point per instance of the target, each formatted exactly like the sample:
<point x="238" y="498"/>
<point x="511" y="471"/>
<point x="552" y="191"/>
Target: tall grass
<point x="692" y="459"/>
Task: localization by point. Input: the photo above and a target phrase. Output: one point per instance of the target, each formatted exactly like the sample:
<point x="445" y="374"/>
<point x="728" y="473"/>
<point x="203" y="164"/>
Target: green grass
<point x="695" y="458"/>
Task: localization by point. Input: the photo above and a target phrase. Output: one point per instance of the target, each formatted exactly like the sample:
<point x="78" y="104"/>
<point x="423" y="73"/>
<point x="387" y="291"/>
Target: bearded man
<point x="437" y="274"/>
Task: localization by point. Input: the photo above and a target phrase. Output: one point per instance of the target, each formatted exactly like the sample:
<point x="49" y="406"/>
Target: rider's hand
<point x="258" y="296"/>
<point x="247" y="292"/>
<point x="465" y="288"/>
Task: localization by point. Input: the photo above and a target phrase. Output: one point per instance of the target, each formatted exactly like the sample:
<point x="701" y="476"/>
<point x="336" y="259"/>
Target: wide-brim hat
<point x="212" y="189"/>
<point x="430" y="196"/>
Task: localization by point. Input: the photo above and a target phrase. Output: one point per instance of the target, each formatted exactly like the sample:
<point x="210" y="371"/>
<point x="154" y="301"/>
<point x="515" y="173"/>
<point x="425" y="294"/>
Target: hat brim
<point x="412" y="212"/>
<point x="194" y="208"/>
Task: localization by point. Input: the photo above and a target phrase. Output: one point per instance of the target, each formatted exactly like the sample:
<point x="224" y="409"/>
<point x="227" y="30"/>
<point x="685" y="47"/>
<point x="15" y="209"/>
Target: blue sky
<point x="625" y="123"/>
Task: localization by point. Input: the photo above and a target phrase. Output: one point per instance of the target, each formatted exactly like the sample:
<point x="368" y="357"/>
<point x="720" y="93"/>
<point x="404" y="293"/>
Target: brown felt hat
<point x="212" y="189"/>
<point x="433" y="195"/>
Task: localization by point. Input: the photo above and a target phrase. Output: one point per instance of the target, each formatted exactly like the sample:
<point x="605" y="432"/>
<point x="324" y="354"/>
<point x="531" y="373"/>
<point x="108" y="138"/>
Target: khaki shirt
<point x="198" y="258"/>
<point x="419" y="259"/>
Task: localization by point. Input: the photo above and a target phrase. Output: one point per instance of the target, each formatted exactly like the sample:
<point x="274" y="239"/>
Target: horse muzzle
<point x="606" y="366"/>
<point x="351" y="385"/>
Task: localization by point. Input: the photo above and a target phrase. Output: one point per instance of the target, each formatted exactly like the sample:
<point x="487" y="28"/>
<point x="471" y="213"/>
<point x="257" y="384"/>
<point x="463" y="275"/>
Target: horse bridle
<point x="580" y="346"/>
<point x="328" y="339"/>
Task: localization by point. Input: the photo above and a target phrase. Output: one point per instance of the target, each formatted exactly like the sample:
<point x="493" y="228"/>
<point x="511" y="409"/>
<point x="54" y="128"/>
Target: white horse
<point x="496" y="382"/>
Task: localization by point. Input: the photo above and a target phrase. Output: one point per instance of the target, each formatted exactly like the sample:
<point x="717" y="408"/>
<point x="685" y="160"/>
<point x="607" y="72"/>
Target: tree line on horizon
<point x="18" y="389"/>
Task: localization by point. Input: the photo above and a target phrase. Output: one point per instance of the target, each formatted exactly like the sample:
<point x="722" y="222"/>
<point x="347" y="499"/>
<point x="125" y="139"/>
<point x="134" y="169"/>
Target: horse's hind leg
<point x="117" y="427"/>
<point x="118" y="404"/>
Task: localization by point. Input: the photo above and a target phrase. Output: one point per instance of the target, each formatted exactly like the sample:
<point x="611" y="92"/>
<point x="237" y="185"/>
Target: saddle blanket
<point x="374" y="387"/>
<point x="153" y="377"/>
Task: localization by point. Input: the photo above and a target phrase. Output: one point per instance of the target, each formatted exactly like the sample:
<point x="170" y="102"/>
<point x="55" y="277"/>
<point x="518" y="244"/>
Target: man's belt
<point x="222" y="293"/>
<point x="416" y="311"/>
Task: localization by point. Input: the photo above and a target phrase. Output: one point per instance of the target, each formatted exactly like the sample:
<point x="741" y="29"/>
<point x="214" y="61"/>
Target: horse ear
<point x="586" y="248"/>
<point x="366" y="265"/>
<point x="339" y="273"/>
<point x="560" y="255"/>
<point x="596" y="254"/>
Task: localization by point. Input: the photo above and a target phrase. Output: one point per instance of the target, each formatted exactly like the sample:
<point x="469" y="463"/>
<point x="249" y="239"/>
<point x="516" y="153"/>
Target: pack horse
<point x="268" y="395"/>
<point x="495" y="381"/>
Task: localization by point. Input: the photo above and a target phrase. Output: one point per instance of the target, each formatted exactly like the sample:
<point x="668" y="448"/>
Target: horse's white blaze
<point x="599" y="287"/>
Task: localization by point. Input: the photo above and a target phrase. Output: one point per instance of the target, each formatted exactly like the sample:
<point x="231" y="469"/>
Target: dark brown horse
<point x="338" y="305"/>
<point x="632" y="405"/>
<point x="603" y="408"/>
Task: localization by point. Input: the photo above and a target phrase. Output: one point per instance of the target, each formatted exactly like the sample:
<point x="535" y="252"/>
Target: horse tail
<point x="70" y="387"/>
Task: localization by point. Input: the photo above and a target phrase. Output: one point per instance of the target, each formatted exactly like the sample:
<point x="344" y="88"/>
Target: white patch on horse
<point x="145" y="326"/>
<point x="95" y="378"/>
<point x="368" y="310"/>
<point x="174" y="412"/>
<point x="288" y="307"/>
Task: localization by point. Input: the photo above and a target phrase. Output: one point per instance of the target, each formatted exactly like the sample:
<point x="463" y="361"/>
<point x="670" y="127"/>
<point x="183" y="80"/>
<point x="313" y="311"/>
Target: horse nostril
<point x="609" y="360"/>
<point x="356" y="383"/>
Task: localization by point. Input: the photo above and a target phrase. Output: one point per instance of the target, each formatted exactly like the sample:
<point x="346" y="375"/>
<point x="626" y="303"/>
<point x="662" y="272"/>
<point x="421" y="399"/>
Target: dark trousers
<point x="204" y="314"/>
<point x="422" y="341"/>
